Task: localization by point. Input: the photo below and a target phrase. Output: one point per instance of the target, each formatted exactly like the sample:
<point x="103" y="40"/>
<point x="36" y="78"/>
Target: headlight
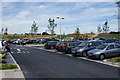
<point x="79" y="50"/>
<point x="97" y="53"/>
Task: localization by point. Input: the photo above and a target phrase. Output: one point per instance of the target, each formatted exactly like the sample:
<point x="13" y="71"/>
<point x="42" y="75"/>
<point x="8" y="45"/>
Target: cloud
<point x="59" y="0"/>
<point x="18" y="16"/>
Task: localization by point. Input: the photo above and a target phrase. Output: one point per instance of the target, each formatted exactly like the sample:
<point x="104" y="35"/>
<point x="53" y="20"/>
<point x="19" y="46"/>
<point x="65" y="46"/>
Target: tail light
<point x="67" y="46"/>
<point x="1" y="52"/>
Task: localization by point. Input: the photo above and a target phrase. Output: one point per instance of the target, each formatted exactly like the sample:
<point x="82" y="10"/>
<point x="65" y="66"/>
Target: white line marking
<point x="19" y="50"/>
<point x="23" y="52"/>
<point x="12" y="52"/>
<point x="15" y="62"/>
<point x="28" y="52"/>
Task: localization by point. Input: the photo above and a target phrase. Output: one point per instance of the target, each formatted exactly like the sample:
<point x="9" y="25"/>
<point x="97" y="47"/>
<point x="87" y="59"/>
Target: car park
<point x="84" y="47"/>
<point x="50" y="44"/>
<point x="105" y="50"/>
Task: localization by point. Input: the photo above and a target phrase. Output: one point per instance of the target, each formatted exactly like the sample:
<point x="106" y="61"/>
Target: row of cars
<point x="4" y="48"/>
<point x="98" y="49"/>
<point x="29" y="41"/>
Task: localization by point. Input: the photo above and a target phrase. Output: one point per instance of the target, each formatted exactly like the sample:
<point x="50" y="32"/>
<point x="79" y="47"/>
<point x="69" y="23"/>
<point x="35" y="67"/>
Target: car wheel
<point x="74" y="55"/>
<point x="85" y="54"/>
<point x="52" y="48"/>
<point x="102" y="56"/>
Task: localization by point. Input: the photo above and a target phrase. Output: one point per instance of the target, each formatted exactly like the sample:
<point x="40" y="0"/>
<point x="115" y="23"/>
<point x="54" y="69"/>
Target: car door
<point x="117" y="46"/>
<point x="64" y="46"/>
<point x="111" y="51"/>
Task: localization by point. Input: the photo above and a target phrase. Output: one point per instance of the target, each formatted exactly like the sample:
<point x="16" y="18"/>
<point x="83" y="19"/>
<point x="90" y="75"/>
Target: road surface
<point x="37" y="63"/>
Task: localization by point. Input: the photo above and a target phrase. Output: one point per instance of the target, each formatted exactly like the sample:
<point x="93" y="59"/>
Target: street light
<point x="118" y="5"/>
<point x="60" y="25"/>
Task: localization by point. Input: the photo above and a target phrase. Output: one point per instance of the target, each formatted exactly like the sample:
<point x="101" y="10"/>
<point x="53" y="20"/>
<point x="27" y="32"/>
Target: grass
<point x="114" y="60"/>
<point x="108" y="36"/>
<point x="7" y="66"/>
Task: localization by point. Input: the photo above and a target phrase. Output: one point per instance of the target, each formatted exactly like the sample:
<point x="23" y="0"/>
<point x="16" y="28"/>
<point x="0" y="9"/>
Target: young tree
<point x="34" y="28"/>
<point x="2" y="30"/>
<point x="77" y="32"/>
<point x="6" y="31"/>
<point x="105" y="27"/>
<point x="51" y="26"/>
<point x="99" y="29"/>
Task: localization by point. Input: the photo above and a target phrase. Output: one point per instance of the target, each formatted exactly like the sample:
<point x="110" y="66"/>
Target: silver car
<point x="105" y="50"/>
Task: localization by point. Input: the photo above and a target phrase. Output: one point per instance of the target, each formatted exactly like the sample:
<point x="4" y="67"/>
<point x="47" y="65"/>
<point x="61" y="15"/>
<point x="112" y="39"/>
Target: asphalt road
<point x="37" y="63"/>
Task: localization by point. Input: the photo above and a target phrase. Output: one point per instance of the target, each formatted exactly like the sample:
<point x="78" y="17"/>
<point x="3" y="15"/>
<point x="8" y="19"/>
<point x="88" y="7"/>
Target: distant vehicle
<point x="118" y="42"/>
<point x="45" y="40"/>
<point x="7" y="47"/>
<point x="84" y="47"/>
<point x="67" y="47"/>
<point x="109" y="40"/>
<point x="105" y="50"/>
<point x="101" y="38"/>
<point x="50" y="44"/>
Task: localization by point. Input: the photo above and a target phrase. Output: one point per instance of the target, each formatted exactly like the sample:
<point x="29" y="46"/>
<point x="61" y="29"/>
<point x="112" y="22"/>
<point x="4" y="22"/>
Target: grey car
<point x="105" y="50"/>
<point x="84" y="47"/>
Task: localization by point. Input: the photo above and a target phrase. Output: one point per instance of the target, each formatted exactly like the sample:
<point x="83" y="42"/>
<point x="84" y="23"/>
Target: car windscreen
<point x="102" y="46"/>
<point x="58" y="43"/>
<point x="84" y="44"/>
<point x="53" y="42"/>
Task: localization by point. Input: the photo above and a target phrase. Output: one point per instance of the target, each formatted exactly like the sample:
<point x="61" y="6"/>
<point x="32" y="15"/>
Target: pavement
<point x="38" y="63"/>
<point x="13" y="73"/>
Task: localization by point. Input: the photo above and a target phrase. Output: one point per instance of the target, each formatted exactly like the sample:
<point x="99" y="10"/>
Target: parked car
<point x="67" y="47"/>
<point x="109" y="40"/>
<point x="50" y="44"/>
<point x="118" y="42"/>
<point x="45" y="40"/>
<point x="59" y="46"/>
<point x="84" y="47"/>
<point x="7" y="47"/>
<point x="3" y="53"/>
<point x="105" y="50"/>
<point x="2" y="50"/>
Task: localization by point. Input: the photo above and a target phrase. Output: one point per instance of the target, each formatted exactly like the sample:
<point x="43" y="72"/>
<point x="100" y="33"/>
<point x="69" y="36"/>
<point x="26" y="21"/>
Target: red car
<point x="59" y="46"/>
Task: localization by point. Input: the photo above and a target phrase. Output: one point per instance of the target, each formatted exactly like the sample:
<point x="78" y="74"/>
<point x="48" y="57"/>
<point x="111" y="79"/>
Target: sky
<point x="18" y="16"/>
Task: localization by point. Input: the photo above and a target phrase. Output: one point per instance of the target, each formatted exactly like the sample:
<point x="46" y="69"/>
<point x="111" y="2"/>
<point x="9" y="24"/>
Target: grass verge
<point x="114" y="60"/>
<point x="7" y="66"/>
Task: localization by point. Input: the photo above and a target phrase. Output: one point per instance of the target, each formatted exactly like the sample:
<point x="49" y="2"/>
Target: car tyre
<point x="74" y="55"/>
<point x="85" y="54"/>
<point x="102" y="56"/>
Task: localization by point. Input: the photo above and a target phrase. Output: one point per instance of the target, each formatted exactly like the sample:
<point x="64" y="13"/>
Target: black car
<point x="50" y="44"/>
<point x="84" y="47"/>
<point x="67" y="47"/>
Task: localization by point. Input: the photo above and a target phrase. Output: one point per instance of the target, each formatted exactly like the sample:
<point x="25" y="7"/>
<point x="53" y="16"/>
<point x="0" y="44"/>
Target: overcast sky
<point x="19" y="16"/>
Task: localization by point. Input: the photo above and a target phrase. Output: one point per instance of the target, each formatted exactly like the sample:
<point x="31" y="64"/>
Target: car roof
<point x="94" y="41"/>
<point x="109" y="43"/>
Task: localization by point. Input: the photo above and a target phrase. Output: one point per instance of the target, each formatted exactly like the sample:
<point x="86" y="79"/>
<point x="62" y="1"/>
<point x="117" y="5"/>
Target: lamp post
<point x="60" y="18"/>
<point x="118" y="5"/>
